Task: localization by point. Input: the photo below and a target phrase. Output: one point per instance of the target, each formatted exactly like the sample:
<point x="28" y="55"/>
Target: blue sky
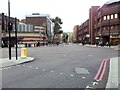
<point x="72" y="12"/>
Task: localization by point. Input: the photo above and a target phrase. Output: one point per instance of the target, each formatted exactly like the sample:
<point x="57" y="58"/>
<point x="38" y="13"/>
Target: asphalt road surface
<point x="54" y="67"/>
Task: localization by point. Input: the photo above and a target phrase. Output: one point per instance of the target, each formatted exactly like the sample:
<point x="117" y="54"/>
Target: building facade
<point x="42" y="21"/>
<point x="75" y="33"/>
<point x="92" y="13"/>
<point x="83" y="33"/>
<point x="108" y="23"/>
<point x="103" y="24"/>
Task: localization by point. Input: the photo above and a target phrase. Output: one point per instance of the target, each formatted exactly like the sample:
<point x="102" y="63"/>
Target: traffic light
<point x="10" y="25"/>
<point x="3" y="23"/>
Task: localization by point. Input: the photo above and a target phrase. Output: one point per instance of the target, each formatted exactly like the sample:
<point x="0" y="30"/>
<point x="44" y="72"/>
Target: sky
<point x="71" y="12"/>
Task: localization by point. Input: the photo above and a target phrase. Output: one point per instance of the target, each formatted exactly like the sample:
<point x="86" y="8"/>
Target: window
<point x="104" y="28"/>
<point x="112" y="27"/>
<point x="20" y="27"/>
<point x="23" y="27"/>
<point x="111" y="16"/>
<point x="104" y="18"/>
<point x="108" y="17"/>
<point x="116" y="16"/>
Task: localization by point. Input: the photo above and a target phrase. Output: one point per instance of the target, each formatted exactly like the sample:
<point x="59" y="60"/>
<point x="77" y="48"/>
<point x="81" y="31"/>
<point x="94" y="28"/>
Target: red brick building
<point x="103" y="24"/>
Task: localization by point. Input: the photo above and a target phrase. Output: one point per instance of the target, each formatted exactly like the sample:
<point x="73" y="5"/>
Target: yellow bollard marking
<point x="23" y="53"/>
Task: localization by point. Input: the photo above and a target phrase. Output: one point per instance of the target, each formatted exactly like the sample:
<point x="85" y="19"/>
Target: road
<point x="54" y="67"/>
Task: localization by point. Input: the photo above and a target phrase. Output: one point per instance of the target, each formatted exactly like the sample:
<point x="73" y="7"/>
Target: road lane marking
<point x="103" y="65"/>
<point x="89" y="87"/>
<point x="61" y="73"/>
<point x="36" y="68"/>
<point x="9" y="67"/>
<point x="30" y="66"/>
<point x="18" y="65"/>
<point x="52" y="71"/>
<point x="99" y="70"/>
<point x="23" y="65"/>
<point x="44" y="69"/>
<point x="83" y="77"/>
<point x="71" y="75"/>
<point x="95" y="83"/>
<point x="103" y="71"/>
<point x="90" y="55"/>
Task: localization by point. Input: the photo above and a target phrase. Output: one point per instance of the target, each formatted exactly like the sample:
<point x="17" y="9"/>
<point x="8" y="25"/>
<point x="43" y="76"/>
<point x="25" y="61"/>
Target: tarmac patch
<point x="81" y="71"/>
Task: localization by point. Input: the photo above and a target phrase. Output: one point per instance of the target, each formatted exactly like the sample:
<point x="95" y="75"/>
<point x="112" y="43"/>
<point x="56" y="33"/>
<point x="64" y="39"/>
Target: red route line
<point x="96" y="76"/>
<point x="103" y="71"/>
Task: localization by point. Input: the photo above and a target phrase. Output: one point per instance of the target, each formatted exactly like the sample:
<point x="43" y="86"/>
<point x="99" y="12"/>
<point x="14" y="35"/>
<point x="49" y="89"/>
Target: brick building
<point x="83" y="32"/>
<point x="75" y="33"/>
<point x="104" y="24"/>
<point x="108" y="22"/>
<point x="42" y="21"/>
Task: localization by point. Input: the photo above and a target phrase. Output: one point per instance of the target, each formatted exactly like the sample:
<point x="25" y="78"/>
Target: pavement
<point x="114" y="72"/>
<point x="5" y="62"/>
<point x="94" y="46"/>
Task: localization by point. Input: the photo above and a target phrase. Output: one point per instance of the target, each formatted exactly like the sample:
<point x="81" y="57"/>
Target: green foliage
<point x="57" y="25"/>
<point x="64" y="37"/>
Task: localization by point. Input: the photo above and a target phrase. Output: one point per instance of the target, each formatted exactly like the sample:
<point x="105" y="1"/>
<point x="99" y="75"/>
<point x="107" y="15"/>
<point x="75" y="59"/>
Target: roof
<point x="112" y="1"/>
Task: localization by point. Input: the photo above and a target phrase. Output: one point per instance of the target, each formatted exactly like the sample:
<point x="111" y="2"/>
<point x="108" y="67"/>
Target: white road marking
<point x="61" y="73"/>
<point x="1" y="69"/>
<point x="18" y="65"/>
<point x="94" y="83"/>
<point x="36" y="68"/>
<point x="23" y="65"/>
<point x="52" y="71"/>
<point x="43" y="69"/>
<point x="90" y="55"/>
<point x="71" y="75"/>
<point x="9" y="67"/>
<point x="64" y="55"/>
<point x="83" y="77"/>
<point x="97" y="80"/>
<point x="89" y="87"/>
<point x="5" y="68"/>
<point x="30" y="66"/>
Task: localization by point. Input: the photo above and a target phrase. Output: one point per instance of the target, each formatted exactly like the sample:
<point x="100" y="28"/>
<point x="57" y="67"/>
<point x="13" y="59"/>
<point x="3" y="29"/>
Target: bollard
<point x="23" y="53"/>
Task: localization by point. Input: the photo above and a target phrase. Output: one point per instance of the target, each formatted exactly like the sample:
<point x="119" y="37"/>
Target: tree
<point x="57" y="26"/>
<point x="65" y="37"/>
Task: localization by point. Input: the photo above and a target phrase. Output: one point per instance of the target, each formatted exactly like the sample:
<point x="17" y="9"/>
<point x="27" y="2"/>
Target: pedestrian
<point x="107" y="44"/>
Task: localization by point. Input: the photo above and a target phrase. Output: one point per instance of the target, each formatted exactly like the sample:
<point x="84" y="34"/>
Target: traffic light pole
<point x="16" y="36"/>
<point x="9" y="30"/>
